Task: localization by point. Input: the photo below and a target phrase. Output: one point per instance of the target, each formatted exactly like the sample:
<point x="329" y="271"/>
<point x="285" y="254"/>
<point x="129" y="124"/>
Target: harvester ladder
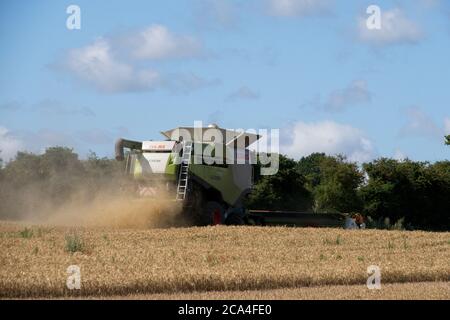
<point x="184" y="171"/>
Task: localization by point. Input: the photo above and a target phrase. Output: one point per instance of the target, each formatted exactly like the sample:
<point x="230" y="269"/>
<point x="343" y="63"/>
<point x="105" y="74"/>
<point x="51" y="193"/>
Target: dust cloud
<point x="106" y="206"/>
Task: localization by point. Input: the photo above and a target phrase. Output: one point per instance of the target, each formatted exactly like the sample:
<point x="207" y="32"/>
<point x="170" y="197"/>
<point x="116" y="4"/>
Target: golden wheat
<point x="124" y="262"/>
<point x="395" y="291"/>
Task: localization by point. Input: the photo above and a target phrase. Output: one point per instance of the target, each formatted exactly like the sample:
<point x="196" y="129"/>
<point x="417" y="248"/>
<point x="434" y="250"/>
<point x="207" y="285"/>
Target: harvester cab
<point x="209" y="170"/>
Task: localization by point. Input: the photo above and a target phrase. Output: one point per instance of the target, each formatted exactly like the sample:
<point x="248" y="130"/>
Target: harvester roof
<point x="229" y="136"/>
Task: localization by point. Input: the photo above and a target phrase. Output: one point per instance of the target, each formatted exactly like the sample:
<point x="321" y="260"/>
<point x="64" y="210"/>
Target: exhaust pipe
<point x="121" y="144"/>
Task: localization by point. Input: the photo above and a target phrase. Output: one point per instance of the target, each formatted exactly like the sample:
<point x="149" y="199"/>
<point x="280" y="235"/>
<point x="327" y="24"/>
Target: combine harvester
<point x="211" y="192"/>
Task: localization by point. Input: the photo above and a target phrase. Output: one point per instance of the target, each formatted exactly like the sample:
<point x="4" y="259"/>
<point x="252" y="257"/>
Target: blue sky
<point x="309" y="68"/>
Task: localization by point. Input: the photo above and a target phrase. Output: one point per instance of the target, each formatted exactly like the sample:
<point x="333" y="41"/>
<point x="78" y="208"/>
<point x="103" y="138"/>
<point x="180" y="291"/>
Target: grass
<point x="74" y="243"/>
<point x="26" y="233"/>
<point x="336" y="242"/>
<point x="173" y="261"/>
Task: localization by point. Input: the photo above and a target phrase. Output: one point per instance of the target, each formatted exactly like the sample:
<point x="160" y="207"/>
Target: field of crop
<point x="410" y="291"/>
<point x="183" y="262"/>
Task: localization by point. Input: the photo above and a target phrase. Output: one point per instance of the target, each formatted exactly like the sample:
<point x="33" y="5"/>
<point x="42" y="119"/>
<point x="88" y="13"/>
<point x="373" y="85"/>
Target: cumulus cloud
<point x="298" y="8"/>
<point x="242" y="93"/>
<point x="328" y="137"/>
<point x="157" y="42"/>
<point x="355" y="93"/>
<point x="96" y="65"/>
<point x="9" y="144"/>
<point x="396" y="28"/>
<point x="114" y="64"/>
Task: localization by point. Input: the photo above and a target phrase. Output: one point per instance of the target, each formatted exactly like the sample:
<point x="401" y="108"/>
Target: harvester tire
<point x="213" y="214"/>
<point x="235" y="219"/>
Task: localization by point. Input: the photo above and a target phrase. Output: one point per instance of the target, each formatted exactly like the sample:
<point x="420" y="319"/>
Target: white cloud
<point x="399" y="155"/>
<point x="31" y="141"/>
<point x="114" y="64"/>
<point x="9" y="144"/>
<point x="97" y="65"/>
<point x="298" y="8"/>
<point x="420" y="124"/>
<point x="396" y="28"/>
<point x="355" y="93"/>
<point x="157" y="42"/>
<point x="328" y="137"/>
<point x="447" y="125"/>
<point x="243" y="93"/>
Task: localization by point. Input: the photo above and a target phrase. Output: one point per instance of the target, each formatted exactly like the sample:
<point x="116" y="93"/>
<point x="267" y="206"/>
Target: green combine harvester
<point x="212" y="189"/>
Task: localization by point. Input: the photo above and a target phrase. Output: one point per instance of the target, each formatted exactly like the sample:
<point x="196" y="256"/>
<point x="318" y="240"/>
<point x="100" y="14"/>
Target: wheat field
<point x="390" y="291"/>
<point x="194" y="261"/>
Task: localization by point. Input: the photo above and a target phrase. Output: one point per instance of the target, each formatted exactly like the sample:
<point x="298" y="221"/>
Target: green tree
<point x="415" y="191"/>
<point x="333" y="181"/>
<point x="447" y="140"/>
<point x="338" y="189"/>
<point x="284" y="191"/>
<point x="310" y="167"/>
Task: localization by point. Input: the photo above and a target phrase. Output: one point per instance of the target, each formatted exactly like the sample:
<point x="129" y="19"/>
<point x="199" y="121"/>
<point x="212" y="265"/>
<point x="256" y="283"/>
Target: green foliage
<point x="337" y="190"/>
<point x="447" y="140"/>
<point x="395" y="195"/>
<point x="74" y="244"/>
<point x="284" y="191"/>
<point x="309" y="167"/>
<point x="390" y="245"/>
<point x="417" y="192"/>
<point x="385" y="224"/>
<point x="26" y="233"/>
<point x="336" y="242"/>
<point x="314" y="183"/>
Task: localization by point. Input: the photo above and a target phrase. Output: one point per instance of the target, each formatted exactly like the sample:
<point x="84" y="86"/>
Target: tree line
<point x="414" y="194"/>
<point x="388" y="192"/>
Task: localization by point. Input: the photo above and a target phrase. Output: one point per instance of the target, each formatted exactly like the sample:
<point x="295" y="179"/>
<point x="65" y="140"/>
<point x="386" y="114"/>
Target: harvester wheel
<point x="213" y="213"/>
<point x="235" y="219"/>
